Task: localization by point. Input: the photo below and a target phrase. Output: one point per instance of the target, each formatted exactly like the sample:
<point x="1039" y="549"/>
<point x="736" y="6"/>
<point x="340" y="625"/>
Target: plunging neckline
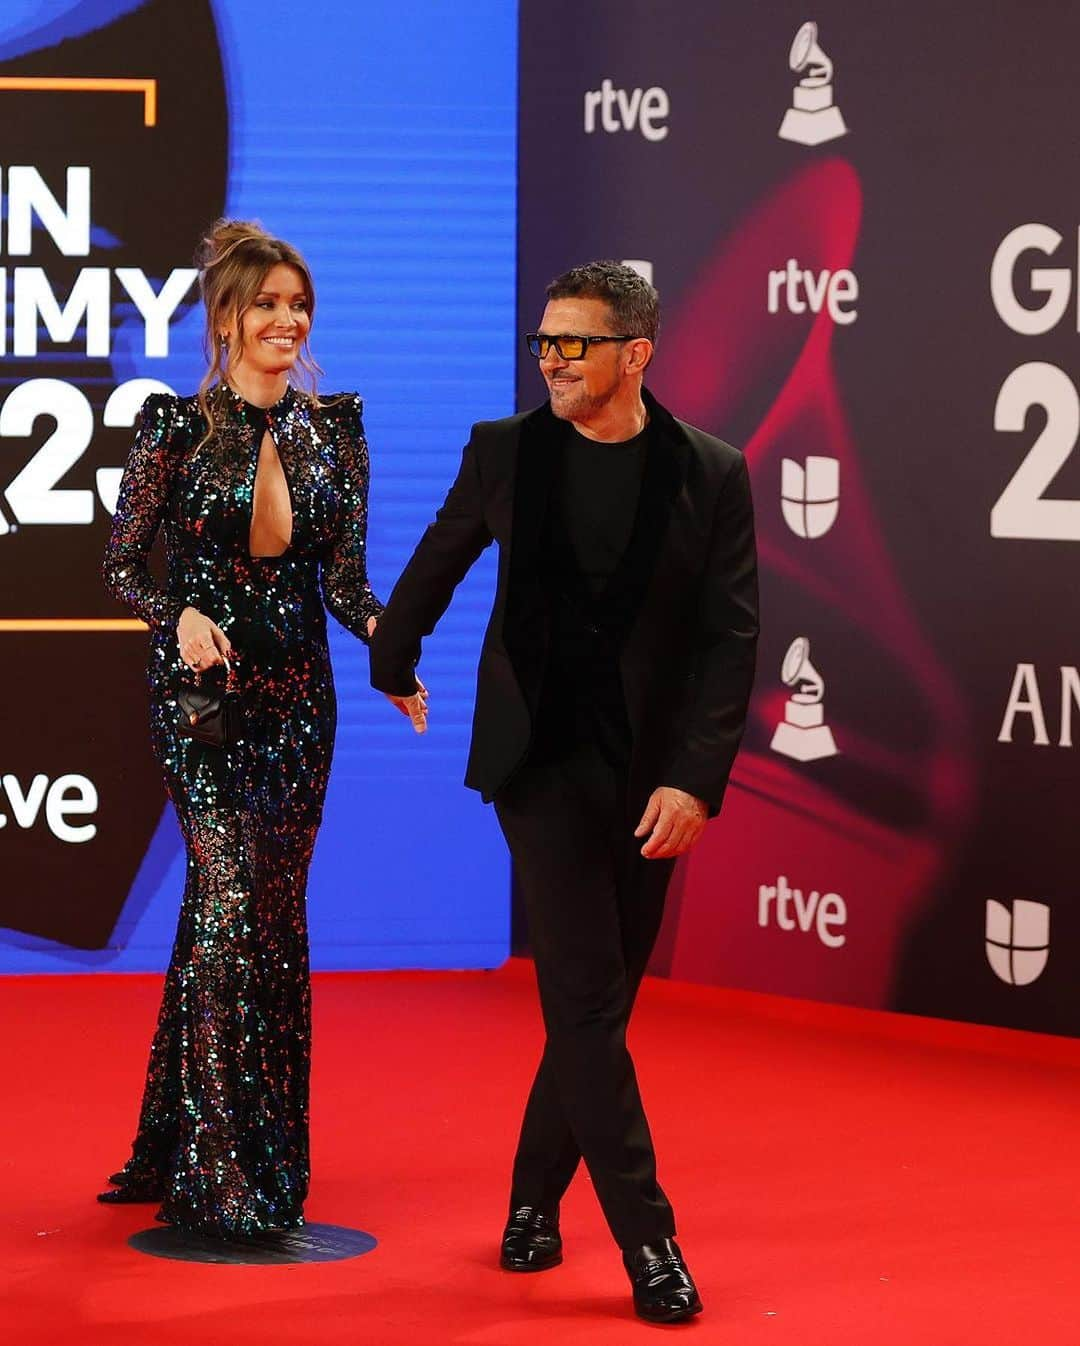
<point x="262" y="420"/>
<point x="258" y="493"/>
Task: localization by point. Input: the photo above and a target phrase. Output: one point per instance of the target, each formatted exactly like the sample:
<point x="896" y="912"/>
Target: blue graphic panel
<point x="381" y="140"/>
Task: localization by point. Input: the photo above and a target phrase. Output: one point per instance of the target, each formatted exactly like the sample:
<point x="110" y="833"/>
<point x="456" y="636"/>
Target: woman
<point x="260" y="489"/>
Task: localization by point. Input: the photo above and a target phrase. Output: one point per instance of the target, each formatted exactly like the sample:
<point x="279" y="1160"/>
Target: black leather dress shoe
<point x="531" y="1240"/>
<point x="664" y="1291"/>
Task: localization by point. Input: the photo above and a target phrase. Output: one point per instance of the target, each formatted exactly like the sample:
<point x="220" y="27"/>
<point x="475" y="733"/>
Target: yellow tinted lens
<point x="571" y="347"/>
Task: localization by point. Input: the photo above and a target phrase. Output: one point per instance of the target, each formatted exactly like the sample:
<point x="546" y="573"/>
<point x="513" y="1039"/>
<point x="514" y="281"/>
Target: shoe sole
<point x="530" y="1266"/>
<point x="673" y="1316"/>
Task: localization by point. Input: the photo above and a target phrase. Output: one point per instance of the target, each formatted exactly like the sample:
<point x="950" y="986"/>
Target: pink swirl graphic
<point x="813" y="823"/>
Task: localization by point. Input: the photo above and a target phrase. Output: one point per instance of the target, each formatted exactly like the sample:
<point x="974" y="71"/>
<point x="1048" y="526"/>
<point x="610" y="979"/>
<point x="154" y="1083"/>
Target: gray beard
<point x="581" y="404"/>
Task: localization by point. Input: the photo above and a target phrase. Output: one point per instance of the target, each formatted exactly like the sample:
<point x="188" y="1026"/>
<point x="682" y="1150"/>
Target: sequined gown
<point x="223" y="1130"/>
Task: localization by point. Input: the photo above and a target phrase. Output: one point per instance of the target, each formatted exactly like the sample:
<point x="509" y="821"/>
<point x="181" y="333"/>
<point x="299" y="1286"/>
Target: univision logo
<point x="1018" y="940"/>
<point x="810" y="494"/>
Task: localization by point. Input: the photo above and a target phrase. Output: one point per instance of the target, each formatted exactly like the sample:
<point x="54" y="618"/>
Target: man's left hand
<point x="674" y="820"/>
<point x="414" y="708"/>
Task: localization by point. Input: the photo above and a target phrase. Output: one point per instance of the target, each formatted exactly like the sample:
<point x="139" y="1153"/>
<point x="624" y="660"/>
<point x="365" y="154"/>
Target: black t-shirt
<point x="601" y="484"/>
<point x="596" y="507"/>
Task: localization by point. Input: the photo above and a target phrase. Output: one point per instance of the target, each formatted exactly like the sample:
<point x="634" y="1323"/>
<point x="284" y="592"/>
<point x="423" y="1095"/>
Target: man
<point x="611" y="698"/>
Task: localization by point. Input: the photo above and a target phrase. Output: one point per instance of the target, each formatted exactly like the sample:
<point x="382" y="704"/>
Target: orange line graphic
<point x="71" y="624"/>
<point x="65" y="84"/>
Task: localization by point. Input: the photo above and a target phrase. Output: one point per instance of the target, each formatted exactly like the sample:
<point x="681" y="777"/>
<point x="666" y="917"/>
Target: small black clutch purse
<point x="211" y="715"/>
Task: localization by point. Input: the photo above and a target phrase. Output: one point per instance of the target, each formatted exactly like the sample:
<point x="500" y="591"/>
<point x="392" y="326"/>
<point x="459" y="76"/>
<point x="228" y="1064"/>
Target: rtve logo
<point x="68" y="796"/>
<point x="822" y="913"/>
<point x="643" y="110"/>
<point x="1018" y="940"/>
<point x="1025" y="700"/>
<point x="800" y="290"/>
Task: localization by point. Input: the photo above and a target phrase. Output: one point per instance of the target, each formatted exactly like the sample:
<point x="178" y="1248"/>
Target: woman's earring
<point x="224" y="347"/>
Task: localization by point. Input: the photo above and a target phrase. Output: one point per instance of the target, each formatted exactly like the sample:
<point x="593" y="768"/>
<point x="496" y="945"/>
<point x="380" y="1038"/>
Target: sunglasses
<point x="567" y="346"/>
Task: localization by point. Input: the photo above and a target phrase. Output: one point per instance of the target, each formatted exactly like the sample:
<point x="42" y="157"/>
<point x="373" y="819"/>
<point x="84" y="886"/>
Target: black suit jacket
<point x="688" y="584"/>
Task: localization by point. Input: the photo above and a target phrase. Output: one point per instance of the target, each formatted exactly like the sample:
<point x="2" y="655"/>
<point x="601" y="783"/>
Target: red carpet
<point x="843" y="1178"/>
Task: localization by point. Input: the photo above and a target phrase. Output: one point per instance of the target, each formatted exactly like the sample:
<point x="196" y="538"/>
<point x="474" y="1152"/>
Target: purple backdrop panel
<point x="865" y="239"/>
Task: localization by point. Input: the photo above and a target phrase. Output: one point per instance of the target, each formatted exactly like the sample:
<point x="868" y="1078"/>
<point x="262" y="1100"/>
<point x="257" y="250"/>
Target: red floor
<point x="842" y="1178"/>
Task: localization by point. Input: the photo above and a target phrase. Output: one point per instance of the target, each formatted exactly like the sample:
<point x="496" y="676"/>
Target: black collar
<point x="237" y="408"/>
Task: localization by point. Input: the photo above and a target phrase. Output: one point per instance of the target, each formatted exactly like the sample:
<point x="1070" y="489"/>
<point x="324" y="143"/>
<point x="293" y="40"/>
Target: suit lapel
<point x="662" y="480"/>
<point x="539" y="450"/>
<point x="526" y="617"/>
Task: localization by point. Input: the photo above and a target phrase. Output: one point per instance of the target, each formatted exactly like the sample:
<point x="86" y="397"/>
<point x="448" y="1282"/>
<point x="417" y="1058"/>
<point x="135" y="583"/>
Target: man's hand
<point x="415" y="706"/>
<point x="674" y="820"/>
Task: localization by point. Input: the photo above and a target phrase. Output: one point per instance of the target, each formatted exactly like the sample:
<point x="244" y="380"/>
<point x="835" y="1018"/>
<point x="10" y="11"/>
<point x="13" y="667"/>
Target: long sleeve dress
<point x="223" y="1131"/>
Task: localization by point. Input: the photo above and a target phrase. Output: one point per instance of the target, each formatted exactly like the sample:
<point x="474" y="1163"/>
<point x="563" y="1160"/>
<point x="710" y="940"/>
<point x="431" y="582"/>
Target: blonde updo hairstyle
<point x="233" y="260"/>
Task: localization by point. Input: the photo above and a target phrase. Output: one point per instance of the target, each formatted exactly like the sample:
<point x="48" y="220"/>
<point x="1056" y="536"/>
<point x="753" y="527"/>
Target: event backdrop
<point x="380" y="140"/>
<point x="863" y="222"/>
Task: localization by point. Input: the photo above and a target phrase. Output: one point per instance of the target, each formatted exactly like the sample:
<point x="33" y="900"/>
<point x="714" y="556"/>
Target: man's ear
<point x="639" y="355"/>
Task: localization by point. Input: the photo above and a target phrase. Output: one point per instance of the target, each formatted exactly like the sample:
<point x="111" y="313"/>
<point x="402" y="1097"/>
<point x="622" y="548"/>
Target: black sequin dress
<point x="223" y="1131"/>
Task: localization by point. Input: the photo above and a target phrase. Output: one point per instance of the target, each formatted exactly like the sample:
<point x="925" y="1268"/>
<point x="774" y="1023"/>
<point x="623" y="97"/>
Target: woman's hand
<point x="202" y="643"/>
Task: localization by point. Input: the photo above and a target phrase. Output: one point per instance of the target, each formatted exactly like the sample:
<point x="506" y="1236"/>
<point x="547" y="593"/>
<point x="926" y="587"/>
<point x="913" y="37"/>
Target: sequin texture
<point x="223" y="1129"/>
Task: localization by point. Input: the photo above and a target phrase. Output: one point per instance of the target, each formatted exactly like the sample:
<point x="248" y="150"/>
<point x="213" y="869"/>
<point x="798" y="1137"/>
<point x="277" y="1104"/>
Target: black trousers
<point x="594" y="907"/>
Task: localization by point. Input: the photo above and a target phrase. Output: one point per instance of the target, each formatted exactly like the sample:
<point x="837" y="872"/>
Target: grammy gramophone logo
<point x="813" y="117"/>
<point x="803" y="734"/>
